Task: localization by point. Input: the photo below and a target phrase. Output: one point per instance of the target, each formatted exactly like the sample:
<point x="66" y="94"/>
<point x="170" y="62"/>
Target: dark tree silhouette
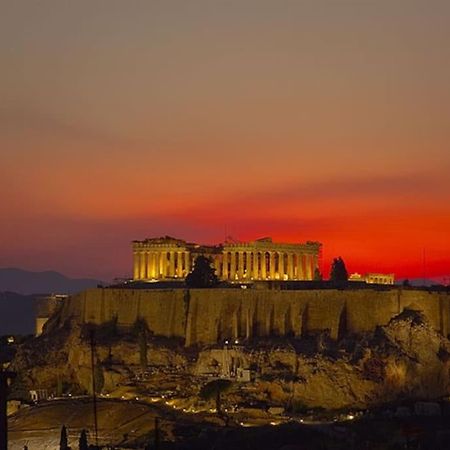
<point x="214" y="390"/>
<point x="203" y="275"/>
<point x="141" y="330"/>
<point x="406" y="283"/>
<point x="83" y="442"/>
<point x="63" y="443"/>
<point x="338" y="270"/>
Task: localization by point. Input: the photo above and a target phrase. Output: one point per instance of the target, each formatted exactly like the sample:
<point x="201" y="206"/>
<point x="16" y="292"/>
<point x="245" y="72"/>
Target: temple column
<point x="135" y="265"/>
<point x="263" y="266"/>
<point x="180" y="264"/>
<point x="157" y="257"/>
<point x="241" y="266"/>
<point x="232" y="266"/>
<point x="225" y="265"/>
<point x="142" y="266"/>
<point x="163" y="264"/>
<point x="248" y="265"/>
<point x="281" y="266"/>
<point x="301" y="266"/>
<point x="171" y="264"/>
<point x="154" y="265"/>
<point x="187" y="267"/>
<point x="290" y="267"/>
<point x="216" y="263"/>
<point x="308" y="267"/>
<point x="149" y="265"/>
<point x="272" y="265"/>
<point x="255" y="266"/>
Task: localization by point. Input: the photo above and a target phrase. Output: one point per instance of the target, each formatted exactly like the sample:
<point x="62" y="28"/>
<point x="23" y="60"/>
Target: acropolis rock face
<point x="321" y="348"/>
<point x="209" y="316"/>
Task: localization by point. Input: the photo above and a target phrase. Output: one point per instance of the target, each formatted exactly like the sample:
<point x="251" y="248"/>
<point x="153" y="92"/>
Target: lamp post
<point x="5" y="376"/>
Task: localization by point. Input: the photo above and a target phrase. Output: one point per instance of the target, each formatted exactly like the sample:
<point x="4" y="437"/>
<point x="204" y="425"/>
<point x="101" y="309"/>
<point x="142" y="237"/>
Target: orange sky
<point x="315" y="120"/>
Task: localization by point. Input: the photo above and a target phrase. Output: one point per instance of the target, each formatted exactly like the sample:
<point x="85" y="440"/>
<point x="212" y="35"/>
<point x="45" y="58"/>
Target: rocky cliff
<point x="208" y="316"/>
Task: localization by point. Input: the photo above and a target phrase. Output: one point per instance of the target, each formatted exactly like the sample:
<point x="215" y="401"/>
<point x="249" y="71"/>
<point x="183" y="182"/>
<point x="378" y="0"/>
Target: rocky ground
<point x="290" y="379"/>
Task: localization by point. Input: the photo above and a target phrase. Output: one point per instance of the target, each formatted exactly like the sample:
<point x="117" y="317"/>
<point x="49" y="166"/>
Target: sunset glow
<point x="244" y="120"/>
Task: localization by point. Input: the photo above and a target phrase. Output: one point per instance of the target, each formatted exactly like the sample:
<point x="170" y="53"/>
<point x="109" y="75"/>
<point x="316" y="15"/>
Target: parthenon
<point x="168" y="258"/>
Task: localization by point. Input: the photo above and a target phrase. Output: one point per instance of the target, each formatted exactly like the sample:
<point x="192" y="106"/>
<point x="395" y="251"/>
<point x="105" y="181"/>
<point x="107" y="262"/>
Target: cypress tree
<point x="63" y="443"/>
<point x="83" y="442"/>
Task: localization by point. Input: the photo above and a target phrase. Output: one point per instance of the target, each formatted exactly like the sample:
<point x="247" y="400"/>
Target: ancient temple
<point x="167" y="258"/>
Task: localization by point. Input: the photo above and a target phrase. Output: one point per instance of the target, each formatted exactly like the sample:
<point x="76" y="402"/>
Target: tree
<point x="214" y="390"/>
<point x="99" y="379"/>
<point x="63" y="443"/>
<point x="338" y="270"/>
<point x="203" y="275"/>
<point x="141" y="330"/>
<point x="83" y="442"/>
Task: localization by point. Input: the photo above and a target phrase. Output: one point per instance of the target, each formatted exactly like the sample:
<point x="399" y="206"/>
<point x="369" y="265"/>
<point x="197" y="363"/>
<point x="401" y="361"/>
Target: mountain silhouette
<point x="26" y="282"/>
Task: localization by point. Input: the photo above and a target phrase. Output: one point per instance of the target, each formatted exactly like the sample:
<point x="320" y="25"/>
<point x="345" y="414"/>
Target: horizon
<point x="322" y="121"/>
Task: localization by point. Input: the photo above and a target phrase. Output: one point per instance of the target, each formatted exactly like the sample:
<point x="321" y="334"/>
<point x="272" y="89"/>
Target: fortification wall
<point x="211" y="315"/>
<point x="164" y="310"/>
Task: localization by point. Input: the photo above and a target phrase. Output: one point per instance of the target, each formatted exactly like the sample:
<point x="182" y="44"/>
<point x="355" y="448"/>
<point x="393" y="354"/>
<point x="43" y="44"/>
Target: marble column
<point x="180" y="264"/>
<point x="171" y="264"/>
<point x="308" y="267"/>
<point x="187" y="267"/>
<point x="290" y="270"/>
<point x="163" y="264"/>
<point x="301" y="266"/>
<point x="272" y="266"/>
<point x="225" y="265"/>
<point x="232" y="266"/>
<point x="154" y="273"/>
<point x="248" y="265"/>
<point x="281" y="266"/>
<point x="216" y="264"/>
<point x="135" y="266"/>
<point x="263" y="266"/>
<point x="157" y="265"/>
<point x="149" y="265"/>
<point x="255" y="266"/>
<point x="241" y="266"/>
<point x="142" y="266"/>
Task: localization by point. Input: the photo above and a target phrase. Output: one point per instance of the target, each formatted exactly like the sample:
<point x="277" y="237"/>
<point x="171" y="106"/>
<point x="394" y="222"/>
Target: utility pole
<point x="4" y="378"/>
<point x="94" y="395"/>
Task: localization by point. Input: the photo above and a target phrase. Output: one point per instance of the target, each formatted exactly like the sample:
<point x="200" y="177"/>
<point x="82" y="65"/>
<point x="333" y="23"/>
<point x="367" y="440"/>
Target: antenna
<point x="94" y="395"/>
<point x="423" y="267"/>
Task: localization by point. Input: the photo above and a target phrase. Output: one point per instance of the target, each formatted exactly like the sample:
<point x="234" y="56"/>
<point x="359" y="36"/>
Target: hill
<point x="17" y="313"/>
<point x="26" y="282"/>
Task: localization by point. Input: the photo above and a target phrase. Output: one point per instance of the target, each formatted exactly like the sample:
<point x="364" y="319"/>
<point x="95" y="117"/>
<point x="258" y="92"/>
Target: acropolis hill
<point x="327" y="348"/>
<point x="283" y="342"/>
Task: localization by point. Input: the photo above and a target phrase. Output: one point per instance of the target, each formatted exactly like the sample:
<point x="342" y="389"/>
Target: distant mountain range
<point x="26" y="282"/>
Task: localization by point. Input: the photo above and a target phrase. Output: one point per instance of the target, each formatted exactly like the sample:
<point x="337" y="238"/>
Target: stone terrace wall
<point x="211" y="315"/>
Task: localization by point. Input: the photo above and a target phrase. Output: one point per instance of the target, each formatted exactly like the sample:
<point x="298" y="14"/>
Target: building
<point x="373" y="278"/>
<point x="167" y="258"/>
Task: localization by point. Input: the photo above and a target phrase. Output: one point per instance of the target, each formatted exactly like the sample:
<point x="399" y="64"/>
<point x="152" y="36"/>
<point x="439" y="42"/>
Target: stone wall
<point x="212" y="315"/>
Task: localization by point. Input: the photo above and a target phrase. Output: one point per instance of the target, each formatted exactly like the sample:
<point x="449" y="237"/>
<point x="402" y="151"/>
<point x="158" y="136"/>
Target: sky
<point x="301" y="120"/>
